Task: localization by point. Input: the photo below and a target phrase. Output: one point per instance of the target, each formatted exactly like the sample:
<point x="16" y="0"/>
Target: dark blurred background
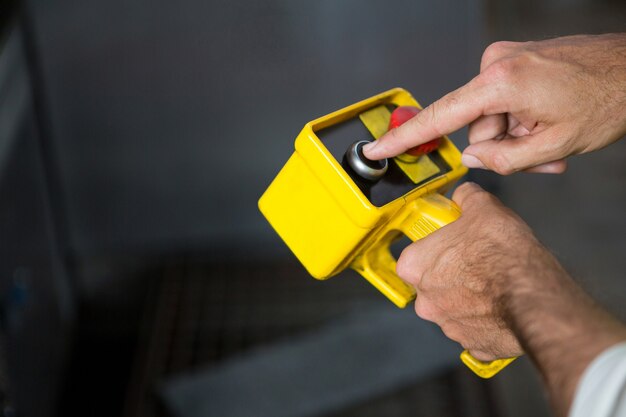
<point x="137" y="277"/>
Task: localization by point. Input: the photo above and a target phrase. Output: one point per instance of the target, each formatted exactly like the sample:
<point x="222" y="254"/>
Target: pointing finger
<point x="444" y="116"/>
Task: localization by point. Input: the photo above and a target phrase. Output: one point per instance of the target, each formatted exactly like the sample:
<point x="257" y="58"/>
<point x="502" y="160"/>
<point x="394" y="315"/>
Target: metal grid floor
<point x="199" y="313"/>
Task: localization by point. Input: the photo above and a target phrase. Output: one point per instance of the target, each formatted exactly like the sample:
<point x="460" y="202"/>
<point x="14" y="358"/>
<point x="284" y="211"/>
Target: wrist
<point x="559" y="326"/>
<point x="614" y="73"/>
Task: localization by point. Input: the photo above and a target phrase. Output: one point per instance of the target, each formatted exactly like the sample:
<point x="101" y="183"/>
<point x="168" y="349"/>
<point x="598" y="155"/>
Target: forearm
<point x="615" y="72"/>
<point x="491" y="286"/>
<point x="559" y="326"/>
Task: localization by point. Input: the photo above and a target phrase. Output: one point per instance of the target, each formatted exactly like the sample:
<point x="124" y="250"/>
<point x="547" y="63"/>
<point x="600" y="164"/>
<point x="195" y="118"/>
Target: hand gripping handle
<point x="418" y="219"/>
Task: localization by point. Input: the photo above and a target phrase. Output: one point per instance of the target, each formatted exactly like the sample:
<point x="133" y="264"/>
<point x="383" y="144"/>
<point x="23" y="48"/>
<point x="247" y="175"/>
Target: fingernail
<point x="471" y="161"/>
<point x="368" y="148"/>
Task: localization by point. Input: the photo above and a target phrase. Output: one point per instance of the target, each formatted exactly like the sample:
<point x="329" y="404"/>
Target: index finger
<point x="444" y="116"/>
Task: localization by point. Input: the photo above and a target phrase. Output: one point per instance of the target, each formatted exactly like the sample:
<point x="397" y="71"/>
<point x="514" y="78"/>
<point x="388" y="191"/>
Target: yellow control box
<point x="333" y="219"/>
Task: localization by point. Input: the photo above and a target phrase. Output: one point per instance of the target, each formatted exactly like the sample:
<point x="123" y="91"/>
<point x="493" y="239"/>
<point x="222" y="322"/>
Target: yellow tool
<point x="335" y="209"/>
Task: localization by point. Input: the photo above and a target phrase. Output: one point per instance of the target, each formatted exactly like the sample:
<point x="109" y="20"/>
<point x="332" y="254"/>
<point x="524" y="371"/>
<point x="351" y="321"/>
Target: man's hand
<point x="491" y="286"/>
<point x="532" y="105"/>
<point x="463" y="271"/>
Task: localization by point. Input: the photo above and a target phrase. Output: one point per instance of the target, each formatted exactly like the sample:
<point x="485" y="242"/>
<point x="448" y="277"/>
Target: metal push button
<point x="365" y="168"/>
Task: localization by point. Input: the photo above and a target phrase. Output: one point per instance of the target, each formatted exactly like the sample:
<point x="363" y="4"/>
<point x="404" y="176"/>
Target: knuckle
<point x="501" y="70"/>
<point x="499" y="48"/>
<point x="526" y="58"/>
<point x="434" y="114"/>
<point x="453" y="332"/>
<point x="479" y="354"/>
<point x="476" y="286"/>
<point x="494" y="50"/>
<point x="468" y="189"/>
<point x="404" y="268"/>
<point x="470" y="194"/>
<point x="510" y="69"/>
<point x="425" y="310"/>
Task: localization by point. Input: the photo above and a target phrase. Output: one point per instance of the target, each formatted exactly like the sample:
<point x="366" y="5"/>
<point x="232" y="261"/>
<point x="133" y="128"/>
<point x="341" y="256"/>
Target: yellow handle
<point x="417" y="219"/>
<point x="484" y="369"/>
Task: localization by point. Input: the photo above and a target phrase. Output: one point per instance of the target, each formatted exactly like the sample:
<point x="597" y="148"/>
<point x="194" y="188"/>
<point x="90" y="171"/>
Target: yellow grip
<point x="484" y="369"/>
<point x="417" y="219"/>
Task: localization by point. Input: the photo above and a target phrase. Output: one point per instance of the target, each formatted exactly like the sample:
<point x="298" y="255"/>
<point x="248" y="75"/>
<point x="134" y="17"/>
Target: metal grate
<point x="200" y="313"/>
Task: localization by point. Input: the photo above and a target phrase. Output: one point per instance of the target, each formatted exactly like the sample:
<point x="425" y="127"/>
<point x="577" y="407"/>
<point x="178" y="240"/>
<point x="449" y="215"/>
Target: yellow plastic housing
<point x="320" y="212"/>
<point x="330" y="225"/>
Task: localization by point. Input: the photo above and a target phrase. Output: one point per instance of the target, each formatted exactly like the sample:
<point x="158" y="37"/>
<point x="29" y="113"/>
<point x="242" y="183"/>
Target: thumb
<point x="509" y="155"/>
<point x="466" y="192"/>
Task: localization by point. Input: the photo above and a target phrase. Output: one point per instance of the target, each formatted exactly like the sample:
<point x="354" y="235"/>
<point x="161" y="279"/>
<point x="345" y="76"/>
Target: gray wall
<point x="170" y="118"/>
<point x="36" y="304"/>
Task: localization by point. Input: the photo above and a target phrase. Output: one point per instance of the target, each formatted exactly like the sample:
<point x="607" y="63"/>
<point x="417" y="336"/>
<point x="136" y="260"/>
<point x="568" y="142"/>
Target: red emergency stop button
<point x="402" y="114"/>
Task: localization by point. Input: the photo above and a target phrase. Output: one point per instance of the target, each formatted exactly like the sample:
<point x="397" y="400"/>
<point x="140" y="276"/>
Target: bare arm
<point x="532" y="105"/>
<point x="491" y="286"/>
<point x="561" y="328"/>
